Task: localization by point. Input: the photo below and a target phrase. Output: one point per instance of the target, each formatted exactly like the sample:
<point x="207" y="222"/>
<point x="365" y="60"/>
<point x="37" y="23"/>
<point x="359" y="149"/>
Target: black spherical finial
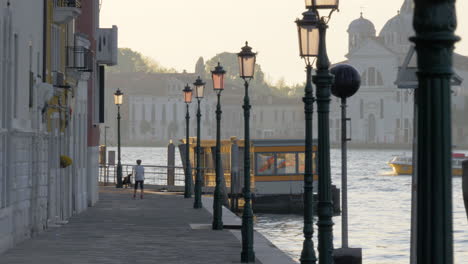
<point x="347" y="81"/>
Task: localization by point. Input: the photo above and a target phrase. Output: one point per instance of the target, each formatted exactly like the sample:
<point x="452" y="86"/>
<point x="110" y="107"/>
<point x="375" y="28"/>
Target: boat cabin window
<point x="265" y="163"/>
<point x="286" y="163"/>
<point x="280" y="163"/>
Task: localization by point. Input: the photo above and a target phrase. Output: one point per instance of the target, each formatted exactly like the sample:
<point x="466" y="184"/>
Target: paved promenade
<point x="161" y="228"/>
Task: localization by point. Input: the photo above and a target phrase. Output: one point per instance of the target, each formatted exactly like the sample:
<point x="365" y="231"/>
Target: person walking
<point x="139" y="172"/>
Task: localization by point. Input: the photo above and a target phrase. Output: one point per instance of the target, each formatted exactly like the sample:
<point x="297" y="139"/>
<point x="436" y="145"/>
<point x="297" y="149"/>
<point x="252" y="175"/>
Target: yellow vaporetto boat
<point x="403" y="165"/>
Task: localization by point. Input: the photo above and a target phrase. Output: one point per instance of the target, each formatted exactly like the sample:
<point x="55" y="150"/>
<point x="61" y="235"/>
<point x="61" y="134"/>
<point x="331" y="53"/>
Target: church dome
<point x="362" y="26"/>
<point x="401" y="23"/>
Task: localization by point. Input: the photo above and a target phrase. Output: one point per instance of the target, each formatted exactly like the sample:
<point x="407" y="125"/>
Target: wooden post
<point x="235" y="183"/>
<point x="170" y="164"/>
<point x="465" y="185"/>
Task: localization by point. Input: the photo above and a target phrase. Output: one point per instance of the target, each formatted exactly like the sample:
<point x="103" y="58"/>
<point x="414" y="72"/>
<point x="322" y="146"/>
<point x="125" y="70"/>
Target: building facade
<point x="380" y="112"/>
<point x="154" y="112"/>
<point x="47" y="72"/>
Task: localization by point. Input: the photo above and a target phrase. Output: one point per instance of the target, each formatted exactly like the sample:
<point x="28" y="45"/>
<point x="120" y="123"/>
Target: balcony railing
<point x="80" y="59"/>
<point x="66" y="10"/>
<point x="69" y="3"/>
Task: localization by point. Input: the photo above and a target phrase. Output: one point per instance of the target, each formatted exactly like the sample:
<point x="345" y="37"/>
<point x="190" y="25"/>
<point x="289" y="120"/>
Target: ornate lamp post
<point x="323" y="81"/>
<point x="308" y="49"/>
<point x="199" y="89"/>
<point x="246" y="72"/>
<point x="188" y="168"/>
<point x="218" y="85"/>
<point x="118" y="100"/>
<point x="434" y="24"/>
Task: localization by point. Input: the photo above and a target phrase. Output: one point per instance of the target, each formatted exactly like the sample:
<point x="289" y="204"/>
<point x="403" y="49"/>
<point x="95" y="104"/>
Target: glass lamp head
<point x="308" y="31"/>
<point x="322" y="4"/>
<point x="199" y="88"/>
<point x="246" y="62"/>
<point x="118" y="97"/>
<point x="218" y="77"/>
<point x="188" y="94"/>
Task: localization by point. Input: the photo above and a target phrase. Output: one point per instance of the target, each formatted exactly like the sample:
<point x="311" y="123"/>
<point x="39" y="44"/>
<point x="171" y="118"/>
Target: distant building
<point x="154" y="112"/>
<point x="380" y="112"/>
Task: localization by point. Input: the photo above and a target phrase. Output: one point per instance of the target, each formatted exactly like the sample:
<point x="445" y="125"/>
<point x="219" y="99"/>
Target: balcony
<point x="66" y="10"/>
<point x="107" y="48"/>
<point x="80" y="59"/>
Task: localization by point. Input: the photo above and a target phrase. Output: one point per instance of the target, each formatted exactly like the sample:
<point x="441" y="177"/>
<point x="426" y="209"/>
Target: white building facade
<point x="44" y="114"/>
<point x="380" y="112"/>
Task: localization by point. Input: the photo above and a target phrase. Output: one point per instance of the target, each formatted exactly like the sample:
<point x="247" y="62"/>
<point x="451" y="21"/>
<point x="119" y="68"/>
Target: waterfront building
<point x="154" y="112"/>
<point x="49" y="109"/>
<point x="380" y="112"/>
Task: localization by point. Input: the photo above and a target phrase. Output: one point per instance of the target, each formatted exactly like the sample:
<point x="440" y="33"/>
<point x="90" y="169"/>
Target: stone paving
<point x="119" y="229"/>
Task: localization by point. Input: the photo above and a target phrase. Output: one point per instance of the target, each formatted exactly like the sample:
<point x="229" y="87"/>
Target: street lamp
<point x="118" y="100"/>
<point x="434" y="23"/>
<point x="246" y="72"/>
<point x="313" y="44"/>
<point x="199" y="89"/>
<point x="218" y="85"/>
<point x="308" y="49"/>
<point x="322" y="4"/>
<point x="188" y="169"/>
<point x="323" y="81"/>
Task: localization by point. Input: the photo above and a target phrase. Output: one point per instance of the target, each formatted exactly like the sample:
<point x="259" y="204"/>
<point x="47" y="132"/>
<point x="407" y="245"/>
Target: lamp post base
<point x="347" y="256"/>
<point x="119" y="177"/>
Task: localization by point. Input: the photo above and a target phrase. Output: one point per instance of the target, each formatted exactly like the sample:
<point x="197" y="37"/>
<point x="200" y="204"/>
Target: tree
<point x="133" y="61"/>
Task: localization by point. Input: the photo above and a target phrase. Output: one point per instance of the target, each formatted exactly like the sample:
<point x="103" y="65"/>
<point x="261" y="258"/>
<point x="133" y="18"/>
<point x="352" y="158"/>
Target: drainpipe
<point x="44" y="43"/>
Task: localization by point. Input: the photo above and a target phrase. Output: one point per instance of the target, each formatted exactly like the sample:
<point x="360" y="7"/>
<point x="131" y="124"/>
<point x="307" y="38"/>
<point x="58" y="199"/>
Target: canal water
<point x="379" y="208"/>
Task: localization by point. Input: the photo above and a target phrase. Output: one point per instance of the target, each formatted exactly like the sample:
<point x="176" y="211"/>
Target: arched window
<point x="364" y="78"/>
<point x="371" y="77"/>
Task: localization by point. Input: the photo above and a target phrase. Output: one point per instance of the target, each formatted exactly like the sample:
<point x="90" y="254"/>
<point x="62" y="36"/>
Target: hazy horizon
<point x="191" y="29"/>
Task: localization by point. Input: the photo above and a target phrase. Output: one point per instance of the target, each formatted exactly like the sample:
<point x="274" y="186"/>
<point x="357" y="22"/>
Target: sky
<point x="177" y="33"/>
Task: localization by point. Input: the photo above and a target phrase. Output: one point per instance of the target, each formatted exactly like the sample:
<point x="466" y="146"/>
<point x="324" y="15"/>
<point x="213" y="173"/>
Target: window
<point x="143" y="112"/>
<point x="398" y="95"/>
<point x="163" y="115"/>
<point x="31" y="75"/>
<point x="153" y="113"/>
<point x="265" y="163"/>
<point x="338" y="130"/>
<point x="284" y="113"/>
<point x="174" y="111"/>
<point x="16" y="69"/>
<point x="406" y="97"/>
<point x="361" y="108"/>
<point x="261" y="116"/>
<point x="293" y="116"/>
<point x="276" y="115"/>
<point x="371" y="77"/>
<point x="301" y="162"/>
<point x="379" y="79"/>
<point x="398" y="123"/>
<point x="55" y="64"/>
<point x="381" y="108"/>
<point x="286" y="163"/>
<point x="364" y="79"/>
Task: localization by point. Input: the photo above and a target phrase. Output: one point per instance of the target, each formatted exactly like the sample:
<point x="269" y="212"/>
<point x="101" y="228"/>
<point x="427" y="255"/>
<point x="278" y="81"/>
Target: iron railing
<point x="157" y="175"/>
<point x="69" y="3"/>
<point x="154" y="175"/>
<point x="80" y="58"/>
